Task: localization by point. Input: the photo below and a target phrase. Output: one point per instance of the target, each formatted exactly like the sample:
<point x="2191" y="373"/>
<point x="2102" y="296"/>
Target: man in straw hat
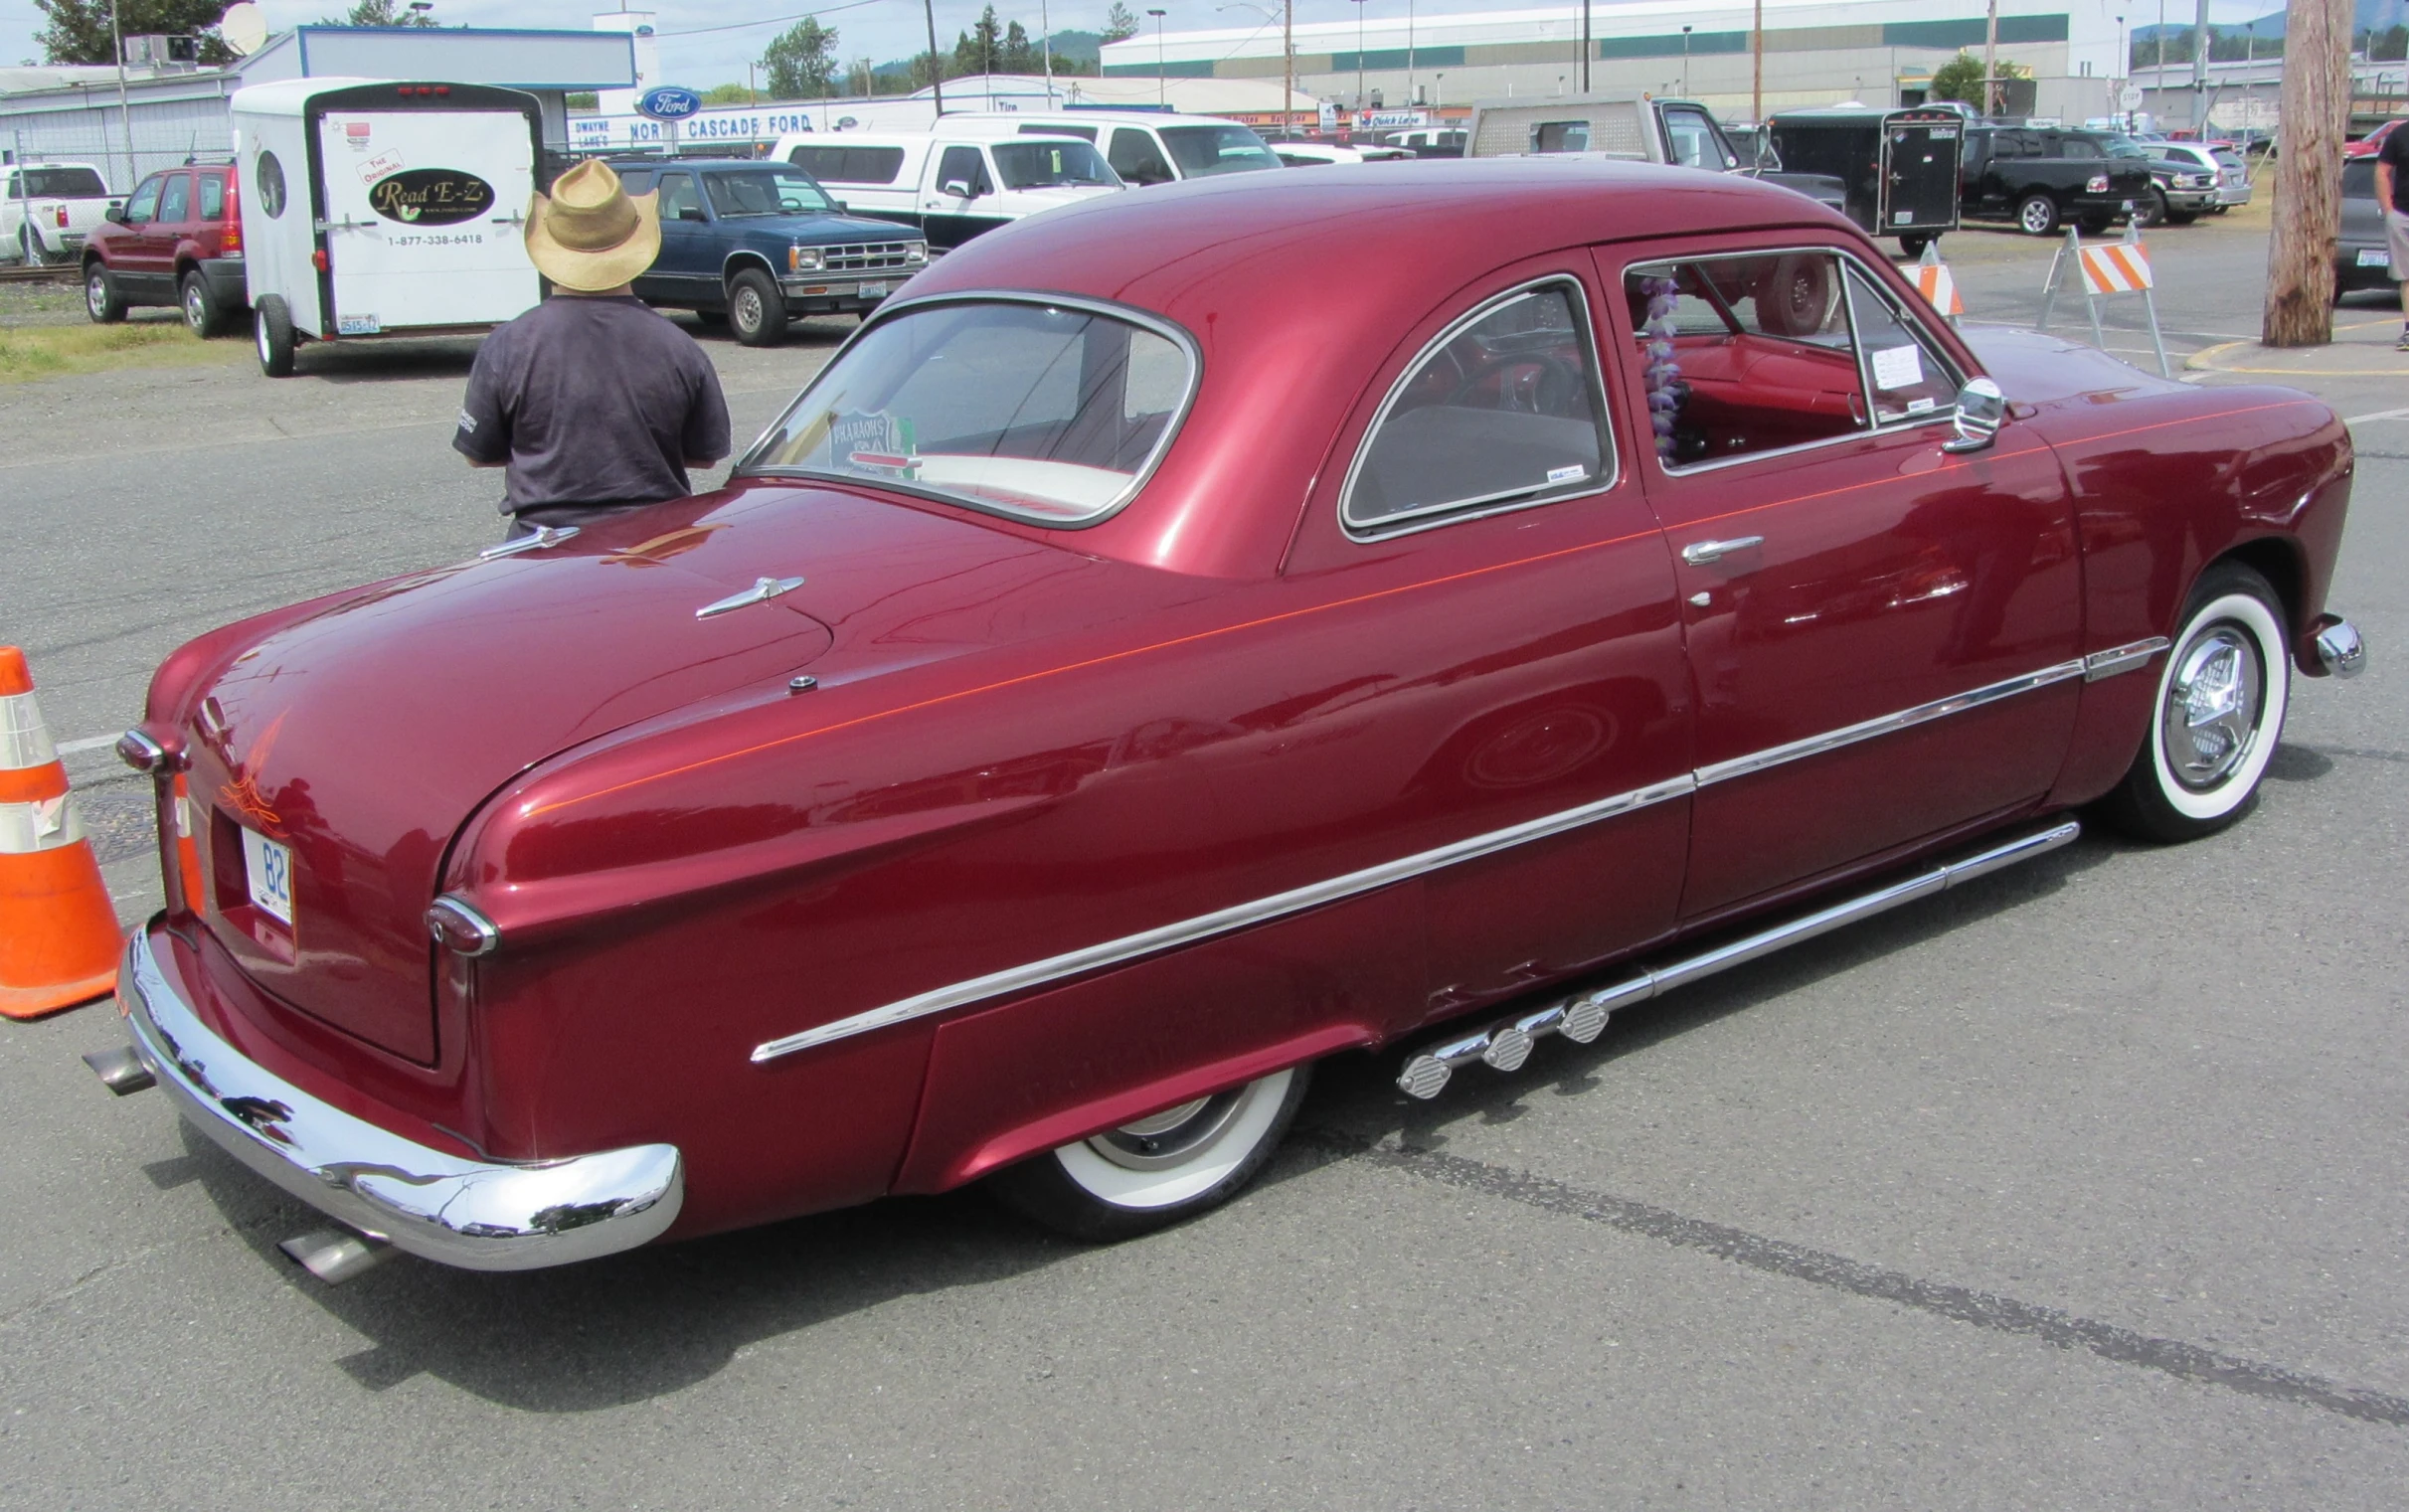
<point x="595" y="404"/>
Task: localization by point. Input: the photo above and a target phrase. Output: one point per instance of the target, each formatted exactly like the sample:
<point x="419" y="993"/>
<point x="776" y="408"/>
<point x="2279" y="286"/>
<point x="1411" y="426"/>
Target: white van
<point x="950" y="185"/>
<point x="383" y="207"/>
<point x="1144" y="148"/>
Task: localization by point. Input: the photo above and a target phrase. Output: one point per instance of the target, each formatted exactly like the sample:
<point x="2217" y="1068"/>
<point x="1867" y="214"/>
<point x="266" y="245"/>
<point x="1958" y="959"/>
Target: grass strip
<point x="30" y="353"/>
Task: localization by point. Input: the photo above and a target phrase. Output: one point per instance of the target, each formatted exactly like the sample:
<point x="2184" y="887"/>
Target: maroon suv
<point x="178" y="241"/>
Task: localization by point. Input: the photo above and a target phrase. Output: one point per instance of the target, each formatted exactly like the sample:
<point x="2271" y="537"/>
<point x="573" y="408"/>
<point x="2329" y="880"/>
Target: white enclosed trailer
<point x="379" y="208"/>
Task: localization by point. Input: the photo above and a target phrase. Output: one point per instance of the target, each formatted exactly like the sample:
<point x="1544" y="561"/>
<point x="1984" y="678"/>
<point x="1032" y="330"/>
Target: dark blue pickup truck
<point x="758" y="245"/>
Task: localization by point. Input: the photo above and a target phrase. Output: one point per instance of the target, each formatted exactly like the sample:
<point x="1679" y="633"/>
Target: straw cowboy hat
<point x="590" y="234"/>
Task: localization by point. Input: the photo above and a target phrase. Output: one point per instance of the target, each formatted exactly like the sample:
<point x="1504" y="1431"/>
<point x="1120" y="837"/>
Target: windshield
<point x="764" y="192"/>
<point x="1202" y="151"/>
<point x="64" y="184"/>
<point x="1052" y="165"/>
<point x="1039" y="411"/>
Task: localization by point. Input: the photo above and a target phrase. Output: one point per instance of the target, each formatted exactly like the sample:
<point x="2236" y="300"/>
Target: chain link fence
<point x="122" y="145"/>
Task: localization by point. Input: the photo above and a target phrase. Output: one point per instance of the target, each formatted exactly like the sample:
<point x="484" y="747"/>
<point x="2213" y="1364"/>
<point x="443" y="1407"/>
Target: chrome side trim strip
<point x="1506" y="1044"/>
<point x="2124" y="658"/>
<point x="1189" y="931"/>
<point x="1887" y="724"/>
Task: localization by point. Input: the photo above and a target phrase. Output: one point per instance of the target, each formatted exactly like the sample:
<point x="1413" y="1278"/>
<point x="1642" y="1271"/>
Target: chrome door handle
<point x="1700" y="553"/>
<point x="762" y="591"/>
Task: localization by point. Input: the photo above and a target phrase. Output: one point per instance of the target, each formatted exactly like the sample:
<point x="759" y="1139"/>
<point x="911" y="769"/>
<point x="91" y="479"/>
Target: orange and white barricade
<point x="2108" y="270"/>
<point x="1934" y="283"/>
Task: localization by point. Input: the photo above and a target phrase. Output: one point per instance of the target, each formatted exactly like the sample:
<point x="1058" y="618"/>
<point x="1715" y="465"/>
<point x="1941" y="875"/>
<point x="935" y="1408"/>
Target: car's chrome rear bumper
<point x="479" y="1215"/>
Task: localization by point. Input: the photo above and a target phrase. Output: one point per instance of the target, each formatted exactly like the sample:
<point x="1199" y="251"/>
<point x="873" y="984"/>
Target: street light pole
<point x="1359" y="5"/>
<point x="1411" y="99"/>
<point x="1159" y="96"/>
<point x="1756" y="51"/>
<point x="1685" y="63"/>
<point x="1586" y="48"/>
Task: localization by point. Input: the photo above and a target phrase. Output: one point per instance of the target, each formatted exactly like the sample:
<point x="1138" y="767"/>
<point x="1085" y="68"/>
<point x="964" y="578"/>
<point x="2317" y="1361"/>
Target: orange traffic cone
<point x="57" y="928"/>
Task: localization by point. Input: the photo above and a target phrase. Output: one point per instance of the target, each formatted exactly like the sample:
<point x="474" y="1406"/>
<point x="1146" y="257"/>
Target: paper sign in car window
<point x="1898" y="368"/>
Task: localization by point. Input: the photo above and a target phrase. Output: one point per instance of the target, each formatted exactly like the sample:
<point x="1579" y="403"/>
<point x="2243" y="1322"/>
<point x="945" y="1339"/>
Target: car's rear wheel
<point x="2149" y="210"/>
<point x="756" y="312"/>
<point x="103" y="299"/>
<point x="202" y="313"/>
<point x="271" y="333"/>
<point x="1914" y="247"/>
<point x="1158" y="1170"/>
<point x="30" y="249"/>
<point x="2038" y="215"/>
<point x="2218" y="713"/>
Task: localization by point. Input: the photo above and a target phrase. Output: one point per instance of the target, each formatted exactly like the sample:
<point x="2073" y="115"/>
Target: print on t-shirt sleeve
<point x="483" y="431"/>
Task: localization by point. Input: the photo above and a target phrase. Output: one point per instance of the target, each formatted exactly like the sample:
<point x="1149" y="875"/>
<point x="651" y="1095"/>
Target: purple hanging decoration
<point x="1664" y="295"/>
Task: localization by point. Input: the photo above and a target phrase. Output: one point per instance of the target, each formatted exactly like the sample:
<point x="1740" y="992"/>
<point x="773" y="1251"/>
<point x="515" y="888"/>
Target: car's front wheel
<point x="2218" y="713"/>
<point x="103" y="299"/>
<point x="2149" y="210"/>
<point x="1157" y="1170"/>
<point x="756" y="312"/>
<point x="2038" y="215"/>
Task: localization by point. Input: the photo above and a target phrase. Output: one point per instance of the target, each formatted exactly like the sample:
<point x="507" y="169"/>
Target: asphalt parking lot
<point x="2083" y="1185"/>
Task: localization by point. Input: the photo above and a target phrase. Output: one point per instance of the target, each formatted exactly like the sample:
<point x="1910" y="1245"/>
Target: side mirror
<point x="958" y="188"/>
<point x="690" y="213"/>
<point x="1981" y="410"/>
<point x="115" y="214"/>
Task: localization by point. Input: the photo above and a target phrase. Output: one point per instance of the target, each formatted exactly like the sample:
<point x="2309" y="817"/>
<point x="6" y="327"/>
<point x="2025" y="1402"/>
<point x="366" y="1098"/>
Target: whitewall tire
<point x="1158" y="1170"/>
<point x="2216" y="716"/>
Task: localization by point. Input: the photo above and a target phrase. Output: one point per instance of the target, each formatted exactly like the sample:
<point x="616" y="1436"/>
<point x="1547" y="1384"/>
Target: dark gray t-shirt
<point x="592" y="401"/>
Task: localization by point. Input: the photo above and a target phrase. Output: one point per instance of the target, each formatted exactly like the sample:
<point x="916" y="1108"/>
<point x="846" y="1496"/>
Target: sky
<point x="706" y="44"/>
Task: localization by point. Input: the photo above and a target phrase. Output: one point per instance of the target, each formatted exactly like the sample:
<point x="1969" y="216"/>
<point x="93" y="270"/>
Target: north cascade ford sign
<point x="669" y="103"/>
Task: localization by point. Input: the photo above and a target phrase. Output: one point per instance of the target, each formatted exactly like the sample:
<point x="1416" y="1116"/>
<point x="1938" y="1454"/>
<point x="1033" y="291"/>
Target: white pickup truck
<point x="49" y="210"/>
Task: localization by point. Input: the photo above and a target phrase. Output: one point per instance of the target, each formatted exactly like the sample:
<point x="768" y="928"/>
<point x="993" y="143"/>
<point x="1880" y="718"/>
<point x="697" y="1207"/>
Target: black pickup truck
<point x="2042" y="177"/>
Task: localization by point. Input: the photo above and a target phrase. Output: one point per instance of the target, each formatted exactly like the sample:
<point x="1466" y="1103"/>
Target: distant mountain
<point x="2372" y="16"/>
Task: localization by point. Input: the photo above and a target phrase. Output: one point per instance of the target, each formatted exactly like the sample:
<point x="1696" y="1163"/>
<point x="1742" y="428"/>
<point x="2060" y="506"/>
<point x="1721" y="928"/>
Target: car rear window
<point x="849" y="165"/>
<point x="64" y="184"/>
<point x="2226" y="157"/>
<point x="1043" y="411"/>
<point x="213" y="197"/>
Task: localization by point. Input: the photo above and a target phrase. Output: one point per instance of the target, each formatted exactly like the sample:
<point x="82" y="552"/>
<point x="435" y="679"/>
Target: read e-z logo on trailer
<point x="669" y="103"/>
<point x="430" y="196"/>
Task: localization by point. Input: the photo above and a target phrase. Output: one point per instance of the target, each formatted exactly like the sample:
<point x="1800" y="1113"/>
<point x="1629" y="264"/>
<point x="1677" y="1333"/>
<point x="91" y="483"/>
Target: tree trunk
<point x="2308" y="174"/>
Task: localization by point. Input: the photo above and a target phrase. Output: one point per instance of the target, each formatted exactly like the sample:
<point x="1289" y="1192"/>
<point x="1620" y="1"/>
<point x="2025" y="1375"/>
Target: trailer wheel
<point x="271" y="331"/>
<point x="756" y="312"/>
<point x="1914" y="245"/>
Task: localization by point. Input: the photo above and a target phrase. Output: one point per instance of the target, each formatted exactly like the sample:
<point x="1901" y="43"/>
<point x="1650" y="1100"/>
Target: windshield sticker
<point x="1919" y="405"/>
<point x="1567" y="474"/>
<point x="875" y="439"/>
<point x="1898" y="368"/>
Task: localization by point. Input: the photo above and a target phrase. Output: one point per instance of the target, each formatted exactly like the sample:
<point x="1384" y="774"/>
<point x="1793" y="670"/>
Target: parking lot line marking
<point x="2361" y="420"/>
<point x="89" y="742"/>
<point x="1821" y="1268"/>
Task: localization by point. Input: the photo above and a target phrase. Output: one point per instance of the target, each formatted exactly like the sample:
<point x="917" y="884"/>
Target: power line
<point x="740" y="26"/>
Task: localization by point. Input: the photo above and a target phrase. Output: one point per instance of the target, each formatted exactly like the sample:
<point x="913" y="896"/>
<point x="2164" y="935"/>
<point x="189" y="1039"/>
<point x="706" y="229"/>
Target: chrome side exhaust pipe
<point x="120" y="1071"/>
<point x="335" y="1255"/>
<point x="1506" y="1044"/>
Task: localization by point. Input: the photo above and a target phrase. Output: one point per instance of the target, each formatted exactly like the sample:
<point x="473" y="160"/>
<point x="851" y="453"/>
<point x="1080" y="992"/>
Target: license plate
<point x="872" y="291"/>
<point x="269" y="866"/>
<point x="2375" y="256"/>
<point x="1902" y="218"/>
<point x="356" y="325"/>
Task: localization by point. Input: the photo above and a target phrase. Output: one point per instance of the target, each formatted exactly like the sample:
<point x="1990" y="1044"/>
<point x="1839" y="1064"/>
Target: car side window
<point x="175" y="201"/>
<point x="213" y="197"/>
<point x="1744" y="355"/>
<point x="1694" y="142"/>
<point x="1134" y="157"/>
<point x="1503" y="409"/>
<point x="2080" y="147"/>
<point x="678" y="195"/>
<point x="965" y="166"/>
<point x="144" y="205"/>
<point x="1906" y="371"/>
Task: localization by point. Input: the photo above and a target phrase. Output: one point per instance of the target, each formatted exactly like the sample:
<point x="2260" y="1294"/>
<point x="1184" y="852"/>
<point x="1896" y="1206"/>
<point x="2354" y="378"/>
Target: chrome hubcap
<point x="192" y="309"/>
<point x="748" y="309"/>
<point x="95" y="294"/>
<point x="2036" y="219"/>
<point x="259" y="334"/>
<point x="1170" y="1136"/>
<point x="2212" y="707"/>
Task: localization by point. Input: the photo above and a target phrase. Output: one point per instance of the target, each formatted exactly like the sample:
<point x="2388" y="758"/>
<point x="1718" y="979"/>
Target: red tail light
<point x="233" y="242"/>
<point x="317" y="259"/>
<point x="62" y="218"/>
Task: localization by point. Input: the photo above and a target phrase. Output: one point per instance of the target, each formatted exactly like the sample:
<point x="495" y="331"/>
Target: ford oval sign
<point x="669" y="103"/>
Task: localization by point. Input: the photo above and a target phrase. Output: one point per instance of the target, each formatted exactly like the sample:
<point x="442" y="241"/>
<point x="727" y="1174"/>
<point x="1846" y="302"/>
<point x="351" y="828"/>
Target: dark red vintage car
<point x="1143" y="663"/>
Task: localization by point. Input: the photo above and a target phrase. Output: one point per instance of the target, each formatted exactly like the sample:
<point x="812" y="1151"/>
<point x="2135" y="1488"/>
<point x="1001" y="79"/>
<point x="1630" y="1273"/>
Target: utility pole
<point x="1756" y="53"/>
<point x="125" y="111"/>
<point x="1991" y="61"/>
<point x="2199" y="72"/>
<point x="1160" y="97"/>
<point x="2307" y="180"/>
<point x="1045" y="46"/>
<point x="1685" y="63"/>
<point x="937" y="64"/>
<point x="1287" y="52"/>
<point x="1586" y="48"/>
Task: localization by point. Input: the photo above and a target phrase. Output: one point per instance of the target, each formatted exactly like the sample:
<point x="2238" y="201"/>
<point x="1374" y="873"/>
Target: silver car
<point x="2232" y="177"/>
<point x="2362" y="255"/>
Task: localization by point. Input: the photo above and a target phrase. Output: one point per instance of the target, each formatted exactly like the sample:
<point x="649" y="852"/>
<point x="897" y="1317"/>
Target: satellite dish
<point x="244" y="26"/>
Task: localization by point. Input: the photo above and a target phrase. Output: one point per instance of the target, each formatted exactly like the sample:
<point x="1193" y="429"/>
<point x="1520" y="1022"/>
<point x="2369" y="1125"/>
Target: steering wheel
<point x="1532" y="382"/>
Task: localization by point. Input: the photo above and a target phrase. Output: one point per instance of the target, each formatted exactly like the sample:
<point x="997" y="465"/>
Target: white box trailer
<point x="382" y="208"/>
